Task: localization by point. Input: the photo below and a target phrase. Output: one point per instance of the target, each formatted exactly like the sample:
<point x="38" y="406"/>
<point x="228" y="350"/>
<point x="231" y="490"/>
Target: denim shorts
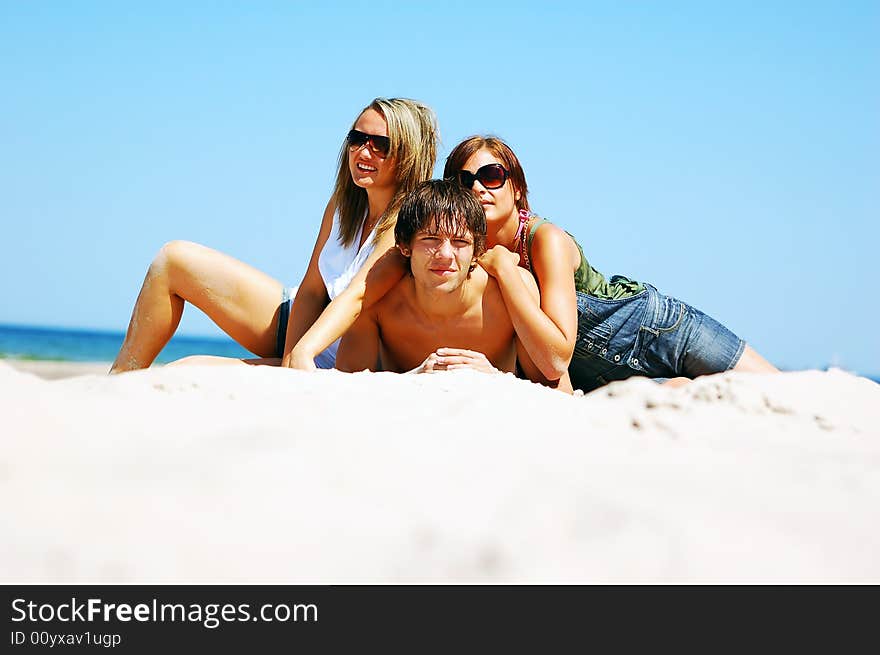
<point x="325" y="359"/>
<point x="648" y="334"/>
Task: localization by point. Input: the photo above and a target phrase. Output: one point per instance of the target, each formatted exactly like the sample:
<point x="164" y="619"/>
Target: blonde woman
<point x="389" y="150"/>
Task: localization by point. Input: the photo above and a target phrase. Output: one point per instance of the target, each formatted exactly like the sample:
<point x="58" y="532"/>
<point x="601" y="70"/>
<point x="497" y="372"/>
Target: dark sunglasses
<point x="378" y="144"/>
<point x="491" y="176"/>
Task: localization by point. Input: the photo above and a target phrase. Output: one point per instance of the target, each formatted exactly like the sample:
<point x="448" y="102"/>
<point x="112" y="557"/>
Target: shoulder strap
<point x="531" y="238"/>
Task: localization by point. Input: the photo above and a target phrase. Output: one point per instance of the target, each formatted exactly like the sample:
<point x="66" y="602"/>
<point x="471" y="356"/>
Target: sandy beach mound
<point x="187" y="475"/>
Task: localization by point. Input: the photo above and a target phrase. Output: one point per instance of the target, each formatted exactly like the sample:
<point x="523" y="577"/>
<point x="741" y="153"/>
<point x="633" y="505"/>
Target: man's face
<point x="440" y="262"/>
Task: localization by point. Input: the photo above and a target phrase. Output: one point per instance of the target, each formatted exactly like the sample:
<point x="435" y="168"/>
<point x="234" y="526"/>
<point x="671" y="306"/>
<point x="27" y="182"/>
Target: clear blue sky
<point x="730" y="154"/>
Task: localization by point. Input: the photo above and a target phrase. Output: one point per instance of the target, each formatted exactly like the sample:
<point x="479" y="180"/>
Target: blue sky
<point x="729" y="155"/>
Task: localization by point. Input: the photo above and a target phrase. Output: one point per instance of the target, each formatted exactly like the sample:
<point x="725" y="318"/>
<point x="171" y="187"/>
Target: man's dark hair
<point x="441" y="207"/>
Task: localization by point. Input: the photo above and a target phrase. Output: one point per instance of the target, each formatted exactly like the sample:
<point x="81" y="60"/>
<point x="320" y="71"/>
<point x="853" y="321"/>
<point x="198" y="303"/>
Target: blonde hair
<point x="412" y="130"/>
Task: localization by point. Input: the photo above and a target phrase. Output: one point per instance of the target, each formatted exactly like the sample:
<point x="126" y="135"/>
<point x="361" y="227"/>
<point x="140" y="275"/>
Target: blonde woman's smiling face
<point x="368" y="168"/>
<point x="499" y="204"/>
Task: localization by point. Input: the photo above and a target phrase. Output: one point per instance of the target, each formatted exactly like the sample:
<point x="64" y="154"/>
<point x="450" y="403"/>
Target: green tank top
<point x="586" y="278"/>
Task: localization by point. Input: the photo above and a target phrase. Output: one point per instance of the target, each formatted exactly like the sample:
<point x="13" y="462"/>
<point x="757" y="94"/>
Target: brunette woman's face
<point x="499" y="204"/>
<point x="369" y="169"/>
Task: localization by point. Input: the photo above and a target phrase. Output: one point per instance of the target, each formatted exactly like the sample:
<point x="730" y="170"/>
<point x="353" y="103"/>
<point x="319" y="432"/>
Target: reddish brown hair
<point x="470" y="146"/>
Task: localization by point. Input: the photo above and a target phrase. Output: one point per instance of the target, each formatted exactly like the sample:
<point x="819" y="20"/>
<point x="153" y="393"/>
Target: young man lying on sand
<point x="448" y="313"/>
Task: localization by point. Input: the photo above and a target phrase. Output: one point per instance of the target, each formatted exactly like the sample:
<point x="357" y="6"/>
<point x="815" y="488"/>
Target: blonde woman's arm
<point x="381" y="271"/>
<point x="311" y="296"/>
<point x="359" y="348"/>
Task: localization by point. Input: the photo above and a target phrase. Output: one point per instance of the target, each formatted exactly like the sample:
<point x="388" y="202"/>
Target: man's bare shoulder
<point x="490" y="286"/>
<point x="399" y="296"/>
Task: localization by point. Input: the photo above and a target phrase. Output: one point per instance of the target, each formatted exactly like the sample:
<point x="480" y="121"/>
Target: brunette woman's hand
<point x="498" y="260"/>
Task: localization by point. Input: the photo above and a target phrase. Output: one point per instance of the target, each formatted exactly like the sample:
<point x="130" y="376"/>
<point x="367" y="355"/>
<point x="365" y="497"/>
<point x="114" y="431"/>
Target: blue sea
<point x="74" y="345"/>
<point x="80" y="345"/>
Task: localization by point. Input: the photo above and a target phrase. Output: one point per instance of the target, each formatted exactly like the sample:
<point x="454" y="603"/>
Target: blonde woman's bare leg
<point x="241" y="300"/>
<point x="752" y="362"/>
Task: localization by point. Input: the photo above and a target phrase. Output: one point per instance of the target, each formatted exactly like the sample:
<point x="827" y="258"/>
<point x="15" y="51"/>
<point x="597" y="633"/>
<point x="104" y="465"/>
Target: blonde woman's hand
<point x="299" y="361"/>
<point x="498" y="260"/>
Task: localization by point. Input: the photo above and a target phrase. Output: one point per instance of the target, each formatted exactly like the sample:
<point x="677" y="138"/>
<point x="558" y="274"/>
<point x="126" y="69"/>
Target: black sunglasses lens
<point x="357" y="139"/>
<point x="492" y="176"/>
<point x="466" y="179"/>
<point x="380" y="144"/>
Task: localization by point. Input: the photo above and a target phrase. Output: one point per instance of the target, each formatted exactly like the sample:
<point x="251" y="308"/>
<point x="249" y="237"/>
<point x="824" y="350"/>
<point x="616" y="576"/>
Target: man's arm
<point x="450" y="359"/>
<point x="359" y="348"/>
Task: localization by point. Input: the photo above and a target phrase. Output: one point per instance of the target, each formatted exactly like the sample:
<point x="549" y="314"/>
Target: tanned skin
<point x="445" y="314"/>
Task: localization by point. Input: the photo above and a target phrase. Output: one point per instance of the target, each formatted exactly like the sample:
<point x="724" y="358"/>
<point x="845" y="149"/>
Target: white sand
<point x="263" y="475"/>
<point x="57" y="370"/>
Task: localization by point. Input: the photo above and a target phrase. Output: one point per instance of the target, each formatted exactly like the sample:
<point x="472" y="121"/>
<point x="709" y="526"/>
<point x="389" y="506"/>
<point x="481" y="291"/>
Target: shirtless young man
<point x="448" y="312"/>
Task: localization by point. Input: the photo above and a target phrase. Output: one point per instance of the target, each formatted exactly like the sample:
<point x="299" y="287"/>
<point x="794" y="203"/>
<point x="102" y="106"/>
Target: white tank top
<point x="338" y="266"/>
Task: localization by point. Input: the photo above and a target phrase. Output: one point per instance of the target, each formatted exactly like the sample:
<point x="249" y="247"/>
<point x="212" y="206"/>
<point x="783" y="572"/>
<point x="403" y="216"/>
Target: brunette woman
<point x="595" y="329"/>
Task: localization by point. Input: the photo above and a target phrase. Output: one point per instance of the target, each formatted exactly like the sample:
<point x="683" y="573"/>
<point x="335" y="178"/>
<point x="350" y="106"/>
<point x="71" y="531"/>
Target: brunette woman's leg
<point x="749" y="362"/>
<point x="674" y="383"/>
<point x="752" y="362"/>
<point x="241" y="300"/>
<point x="679" y="340"/>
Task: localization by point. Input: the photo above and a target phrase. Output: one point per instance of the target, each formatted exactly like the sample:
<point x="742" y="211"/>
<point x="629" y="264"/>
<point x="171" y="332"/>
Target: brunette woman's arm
<point x="526" y="364"/>
<point x="547" y="332"/>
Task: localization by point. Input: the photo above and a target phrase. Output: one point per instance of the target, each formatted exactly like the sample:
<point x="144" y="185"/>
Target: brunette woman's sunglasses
<point x="378" y="144"/>
<point x="491" y="176"/>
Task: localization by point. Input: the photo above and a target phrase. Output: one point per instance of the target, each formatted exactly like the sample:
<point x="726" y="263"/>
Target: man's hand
<point x="498" y="259"/>
<point x="428" y="366"/>
<point x="299" y="361"/>
<point x="450" y="359"/>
